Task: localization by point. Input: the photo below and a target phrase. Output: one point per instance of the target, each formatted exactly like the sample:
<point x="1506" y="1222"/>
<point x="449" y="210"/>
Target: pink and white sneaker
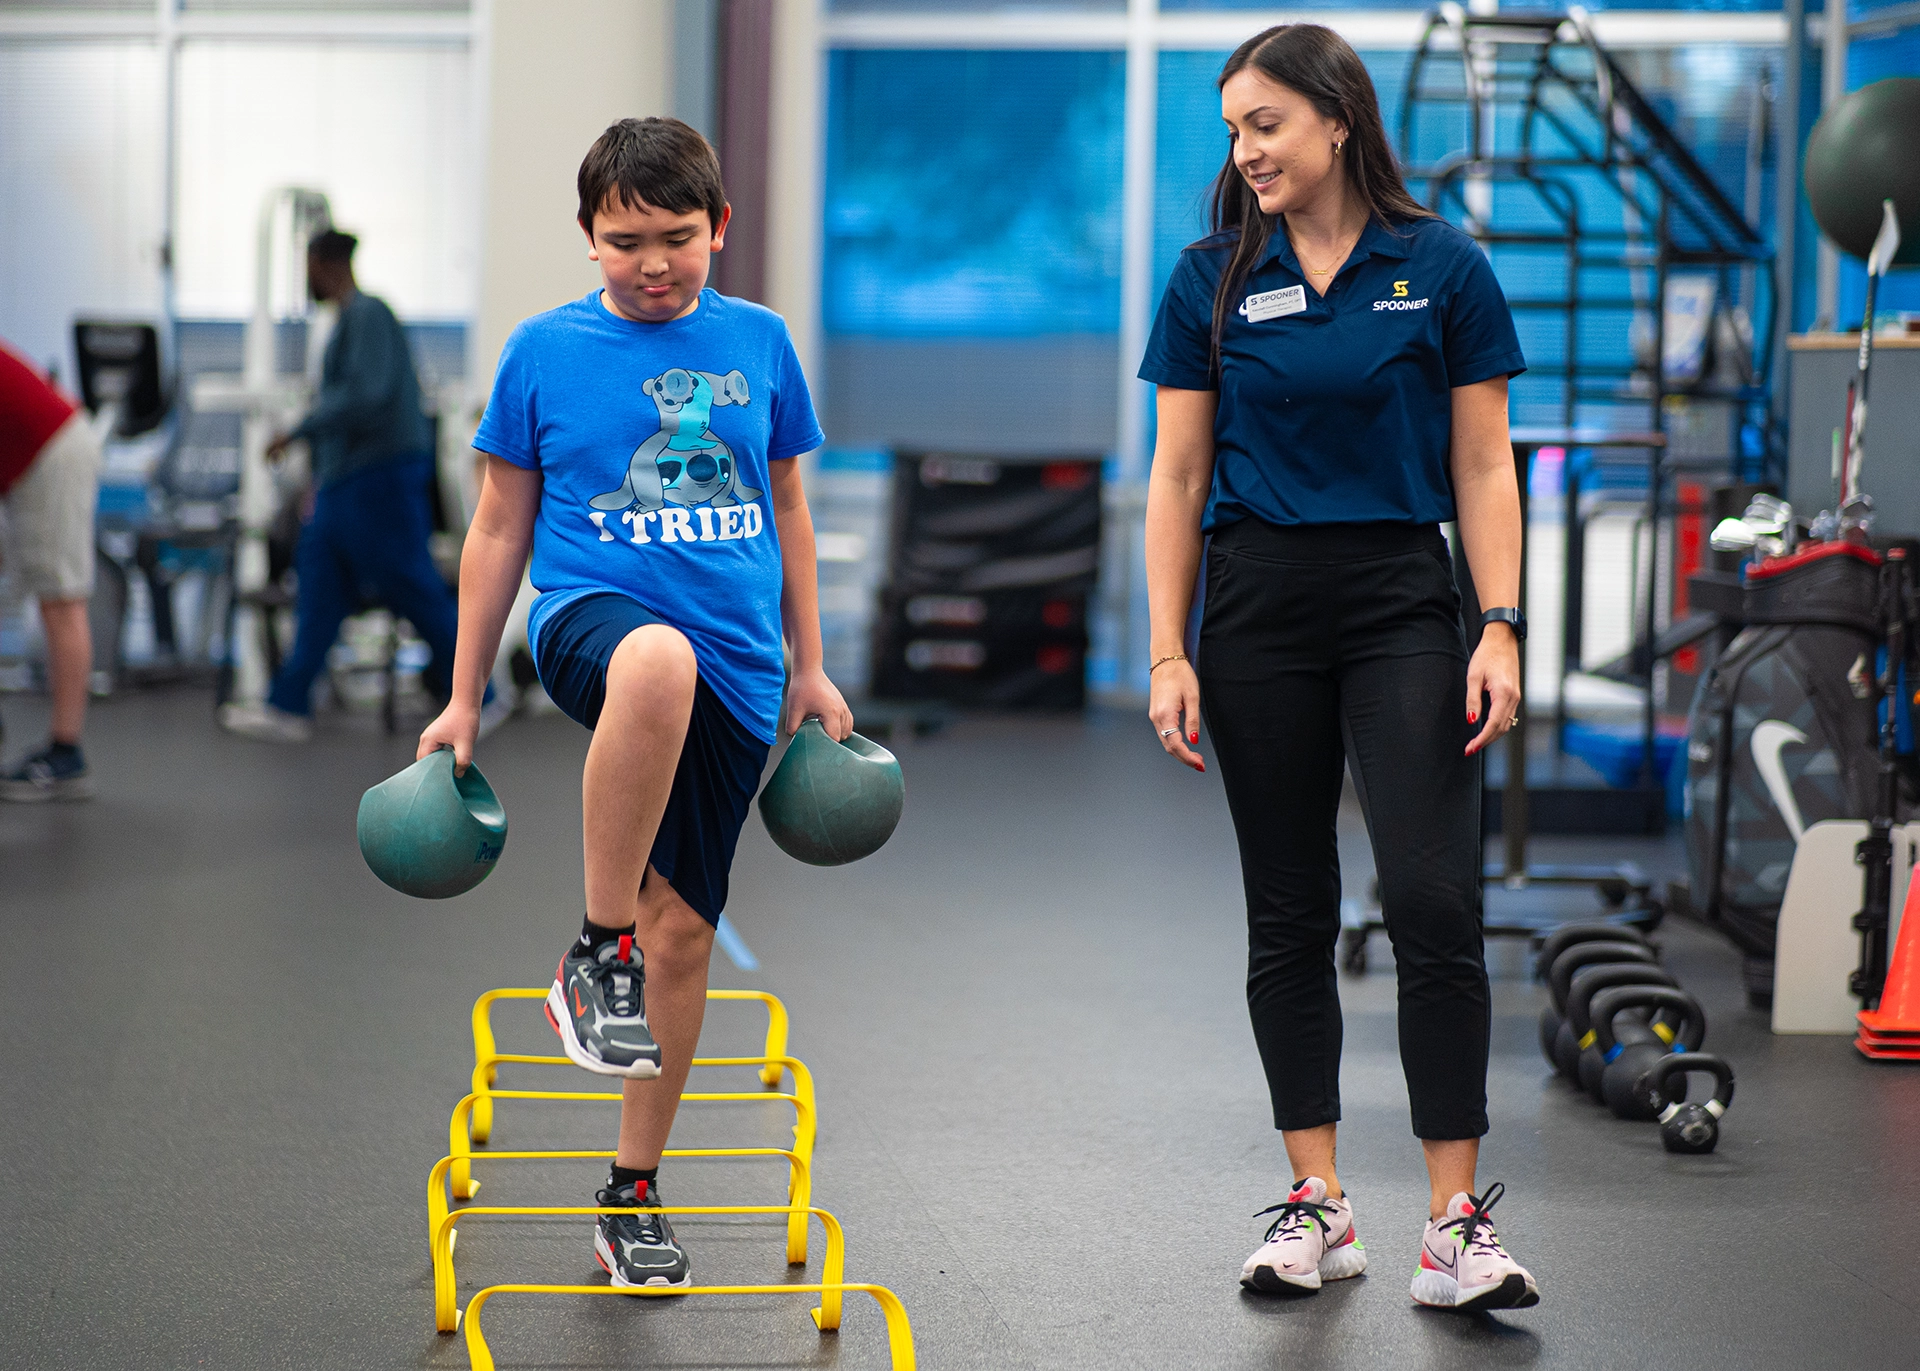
<point x="1312" y="1241"/>
<point x="1463" y="1265"/>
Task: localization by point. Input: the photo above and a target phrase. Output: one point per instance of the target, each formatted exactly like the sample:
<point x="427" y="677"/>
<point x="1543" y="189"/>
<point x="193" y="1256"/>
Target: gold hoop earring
<point x="1337" y="147"/>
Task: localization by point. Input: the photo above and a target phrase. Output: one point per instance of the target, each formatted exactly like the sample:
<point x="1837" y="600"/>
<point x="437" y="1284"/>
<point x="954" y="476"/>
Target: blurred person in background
<point x="49" y="484"/>
<point x="365" y="543"/>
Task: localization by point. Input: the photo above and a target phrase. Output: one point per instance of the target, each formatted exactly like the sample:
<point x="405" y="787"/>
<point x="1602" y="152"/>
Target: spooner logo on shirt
<point x="684" y="472"/>
<point x="1399" y="300"/>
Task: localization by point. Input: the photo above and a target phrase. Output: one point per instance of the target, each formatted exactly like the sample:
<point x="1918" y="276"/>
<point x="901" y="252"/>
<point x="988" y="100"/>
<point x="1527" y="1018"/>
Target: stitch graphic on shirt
<point x="684" y="464"/>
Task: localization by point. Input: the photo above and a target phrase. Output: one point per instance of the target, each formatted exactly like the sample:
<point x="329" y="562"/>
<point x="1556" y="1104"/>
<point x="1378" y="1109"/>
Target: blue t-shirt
<point x="652" y="441"/>
<point x="1336" y="409"/>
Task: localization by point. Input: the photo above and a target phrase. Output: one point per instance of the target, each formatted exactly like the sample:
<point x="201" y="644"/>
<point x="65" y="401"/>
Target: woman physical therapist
<point x="1332" y="366"/>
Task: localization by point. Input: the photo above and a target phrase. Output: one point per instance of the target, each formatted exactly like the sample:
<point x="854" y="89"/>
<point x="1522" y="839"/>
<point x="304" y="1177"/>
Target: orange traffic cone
<point x="1891" y="1033"/>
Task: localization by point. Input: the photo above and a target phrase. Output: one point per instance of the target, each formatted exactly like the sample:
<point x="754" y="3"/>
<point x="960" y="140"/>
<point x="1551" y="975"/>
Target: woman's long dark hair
<point x="1323" y="67"/>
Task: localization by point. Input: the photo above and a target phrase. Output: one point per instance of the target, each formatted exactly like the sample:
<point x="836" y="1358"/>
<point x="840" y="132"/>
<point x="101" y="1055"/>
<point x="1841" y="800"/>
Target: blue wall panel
<point x="973" y="194"/>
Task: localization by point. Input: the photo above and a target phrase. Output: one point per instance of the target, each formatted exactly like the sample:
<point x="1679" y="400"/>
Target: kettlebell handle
<point x="1608" y="1003"/>
<point x="1683" y="1063"/>
<point x="1586" y="954"/>
<point x="1589" y="981"/>
<point x="1569" y="935"/>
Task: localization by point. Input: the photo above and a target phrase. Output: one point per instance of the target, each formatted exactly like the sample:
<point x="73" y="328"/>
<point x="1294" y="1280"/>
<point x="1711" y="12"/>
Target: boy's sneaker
<point x="598" y="1006"/>
<point x="637" y="1248"/>
<point x="1312" y="1241"/>
<point x="1463" y="1265"/>
<point x="52" y="773"/>
<point x="257" y="719"/>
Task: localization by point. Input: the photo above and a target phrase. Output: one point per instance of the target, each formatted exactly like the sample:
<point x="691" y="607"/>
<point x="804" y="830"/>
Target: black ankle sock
<point x="618" y="1176"/>
<point x="56" y="748"/>
<point x="593" y="937"/>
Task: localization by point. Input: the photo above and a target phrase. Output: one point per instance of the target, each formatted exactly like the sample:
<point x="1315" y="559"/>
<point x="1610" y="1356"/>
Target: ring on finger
<point x="1168" y="732"/>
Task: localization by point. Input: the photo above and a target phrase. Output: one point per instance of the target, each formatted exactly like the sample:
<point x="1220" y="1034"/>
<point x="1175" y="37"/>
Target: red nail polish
<point x="1193" y="737"/>
<point x="1472" y="717"/>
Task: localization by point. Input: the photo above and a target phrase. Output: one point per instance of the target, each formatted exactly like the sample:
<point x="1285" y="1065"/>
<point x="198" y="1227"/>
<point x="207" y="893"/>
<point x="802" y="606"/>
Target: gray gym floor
<point x="232" y="1053"/>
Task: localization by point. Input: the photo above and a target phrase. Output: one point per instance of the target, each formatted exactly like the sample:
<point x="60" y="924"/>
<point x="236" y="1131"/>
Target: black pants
<point x="1318" y="645"/>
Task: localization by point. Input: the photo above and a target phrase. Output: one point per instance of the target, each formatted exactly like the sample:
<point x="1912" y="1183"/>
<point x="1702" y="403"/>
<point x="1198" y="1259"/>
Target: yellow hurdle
<point x="799" y="1193"/>
<point x="460" y="1154"/>
<point x="451" y="1178"/>
<point x="799" y="1183"/>
<point x="445" y="1313"/>
<point x="899" y="1331"/>
<point x="486" y="1054"/>
<point x="483" y="1094"/>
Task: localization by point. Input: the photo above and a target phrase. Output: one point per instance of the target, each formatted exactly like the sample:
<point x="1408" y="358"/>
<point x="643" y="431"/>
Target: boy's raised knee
<point x="653" y="658"/>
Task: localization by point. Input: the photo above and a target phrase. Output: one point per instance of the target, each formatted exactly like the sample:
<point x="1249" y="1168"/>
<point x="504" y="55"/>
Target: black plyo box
<point x="991" y="564"/>
<point x="1004" y="670"/>
<point x="970" y="525"/>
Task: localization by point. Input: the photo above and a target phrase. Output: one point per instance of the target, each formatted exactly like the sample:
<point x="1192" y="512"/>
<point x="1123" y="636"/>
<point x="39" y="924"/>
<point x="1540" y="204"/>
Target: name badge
<point x="1274" y="304"/>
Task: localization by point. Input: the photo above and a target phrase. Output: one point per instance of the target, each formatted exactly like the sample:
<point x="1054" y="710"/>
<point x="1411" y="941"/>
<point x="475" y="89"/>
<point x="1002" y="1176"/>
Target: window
<point x="382" y="131"/>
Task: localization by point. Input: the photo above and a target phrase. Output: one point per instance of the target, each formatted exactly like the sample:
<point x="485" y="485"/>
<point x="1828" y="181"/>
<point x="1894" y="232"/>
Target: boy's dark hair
<point x="332" y="247"/>
<point x="658" y="162"/>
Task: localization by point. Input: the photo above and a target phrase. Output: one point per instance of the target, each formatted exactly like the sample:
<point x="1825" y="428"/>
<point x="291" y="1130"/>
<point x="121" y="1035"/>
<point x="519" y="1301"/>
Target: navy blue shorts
<point x="720" y="763"/>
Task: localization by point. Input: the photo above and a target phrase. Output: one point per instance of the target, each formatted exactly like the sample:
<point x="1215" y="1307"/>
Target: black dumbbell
<point x="1686" y="1127"/>
<point x="1628" y="1061"/>
<point x="1586" y="1063"/>
<point x="1554" y="944"/>
<point x="1560" y="978"/>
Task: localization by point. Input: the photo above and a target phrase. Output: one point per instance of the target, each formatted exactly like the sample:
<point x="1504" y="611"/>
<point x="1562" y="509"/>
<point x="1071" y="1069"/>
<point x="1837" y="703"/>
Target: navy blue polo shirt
<point x="1336" y="409"/>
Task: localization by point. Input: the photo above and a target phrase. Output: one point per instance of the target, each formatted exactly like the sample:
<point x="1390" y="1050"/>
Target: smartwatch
<point x="1513" y="618"/>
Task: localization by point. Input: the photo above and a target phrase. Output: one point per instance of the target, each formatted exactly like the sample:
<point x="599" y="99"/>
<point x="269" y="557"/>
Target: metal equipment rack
<point x="1585" y="144"/>
<point x="1565" y="172"/>
<point x="1586" y="147"/>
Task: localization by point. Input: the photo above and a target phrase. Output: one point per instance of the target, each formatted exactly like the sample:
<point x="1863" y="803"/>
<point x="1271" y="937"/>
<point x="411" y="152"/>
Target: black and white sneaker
<point x="598" y="1006"/>
<point x="637" y="1248"/>
<point x="52" y="773"/>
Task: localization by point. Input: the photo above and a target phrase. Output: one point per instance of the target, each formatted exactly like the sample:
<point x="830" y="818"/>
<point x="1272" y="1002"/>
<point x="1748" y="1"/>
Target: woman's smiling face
<point x="1281" y="143"/>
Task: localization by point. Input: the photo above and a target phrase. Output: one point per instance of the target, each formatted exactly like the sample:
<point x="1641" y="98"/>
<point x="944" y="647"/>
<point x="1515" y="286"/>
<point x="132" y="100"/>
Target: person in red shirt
<point x="49" y="485"/>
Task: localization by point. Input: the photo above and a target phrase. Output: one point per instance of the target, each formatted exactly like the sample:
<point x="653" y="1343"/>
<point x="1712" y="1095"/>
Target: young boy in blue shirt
<point x="642" y="441"/>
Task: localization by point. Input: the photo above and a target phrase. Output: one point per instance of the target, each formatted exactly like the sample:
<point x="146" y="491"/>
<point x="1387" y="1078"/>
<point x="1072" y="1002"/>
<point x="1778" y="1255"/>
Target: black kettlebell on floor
<point x="1566" y="1053"/>
<point x="1567" y="935"/>
<point x="1686" y="1127"/>
<point x="1628" y="1062"/>
<point x="1588" y="982"/>
<point x="1551" y="947"/>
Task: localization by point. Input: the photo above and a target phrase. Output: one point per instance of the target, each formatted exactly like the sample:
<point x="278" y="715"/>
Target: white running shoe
<point x="1463" y="1265"/>
<point x="258" y="719"/>
<point x="1312" y="1241"/>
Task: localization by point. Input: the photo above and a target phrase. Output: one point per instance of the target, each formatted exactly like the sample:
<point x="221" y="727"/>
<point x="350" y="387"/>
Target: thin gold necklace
<point x="1343" y="256"/>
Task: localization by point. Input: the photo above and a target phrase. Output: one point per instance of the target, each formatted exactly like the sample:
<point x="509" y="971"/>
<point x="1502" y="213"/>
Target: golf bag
<point x="1781" y="735"/>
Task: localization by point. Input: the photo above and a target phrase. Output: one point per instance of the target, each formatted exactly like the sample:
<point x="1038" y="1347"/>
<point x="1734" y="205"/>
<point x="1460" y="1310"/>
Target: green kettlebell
<point x="830" y="803"/>
<point x="430" y="833"/>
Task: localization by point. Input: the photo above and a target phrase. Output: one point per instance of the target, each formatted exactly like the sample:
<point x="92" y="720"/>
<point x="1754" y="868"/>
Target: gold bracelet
<point x="1170" y="657"/>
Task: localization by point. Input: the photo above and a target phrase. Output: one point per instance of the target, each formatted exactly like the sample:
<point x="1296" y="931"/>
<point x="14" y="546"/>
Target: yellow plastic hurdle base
<point x="799" y="1200"/>
<point x="486" y="1052"/>
<point x="899" y="1331"/>
<point x="472" y="1123"/>
<point x="446" y="1316"/>
<point x="483" y="1095"/>
<point x="460" y="1153"/>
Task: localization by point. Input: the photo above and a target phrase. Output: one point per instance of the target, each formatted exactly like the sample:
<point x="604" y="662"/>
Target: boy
<point x="643" y="441"/>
